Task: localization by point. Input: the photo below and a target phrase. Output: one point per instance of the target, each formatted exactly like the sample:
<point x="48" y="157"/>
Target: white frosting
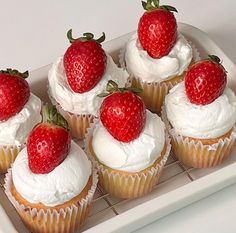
<point x="135" y="155"/>
<point x="60" y="185"/>
<point x="141" y="65"/>
<point x="15" y="130"/>
<point x="87" y="102"/>
<point x="200" y="121"/>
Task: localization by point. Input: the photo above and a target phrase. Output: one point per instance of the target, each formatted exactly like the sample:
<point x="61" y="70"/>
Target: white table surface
<point x="33" y="34"/>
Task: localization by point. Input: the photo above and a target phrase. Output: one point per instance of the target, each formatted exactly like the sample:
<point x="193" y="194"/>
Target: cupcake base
<point x="7" y="156"/>
<point x="124" y="184"/>
<point x="65" y="218"/>
<point x="201" y="153"/>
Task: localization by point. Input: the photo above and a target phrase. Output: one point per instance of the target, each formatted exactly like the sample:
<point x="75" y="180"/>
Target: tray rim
<point x="169" y="202"/>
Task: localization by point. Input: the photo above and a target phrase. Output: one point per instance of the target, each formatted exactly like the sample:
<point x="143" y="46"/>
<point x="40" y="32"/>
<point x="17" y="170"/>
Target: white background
<point x="33" y="34"/>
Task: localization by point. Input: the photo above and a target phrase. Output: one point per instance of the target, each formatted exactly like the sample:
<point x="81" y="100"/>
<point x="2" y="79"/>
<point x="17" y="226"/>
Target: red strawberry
<point x="123" y="113"/>
<point x="205" y="81"/>
<point x="48" y="143"/>
<point x="14" y="93"/>
<point x="157" y="29"/>
<point x="84" y="62"/>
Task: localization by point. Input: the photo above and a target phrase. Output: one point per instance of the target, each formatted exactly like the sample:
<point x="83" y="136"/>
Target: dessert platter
<point x="103" y="177"/>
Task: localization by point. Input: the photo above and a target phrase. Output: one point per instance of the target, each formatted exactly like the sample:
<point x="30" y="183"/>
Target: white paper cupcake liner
<point x="66" y="220"/>
<point x="195" y="153"/>
<point x="154" y="94"/>
<point x="8" y="154"/>
<point x="127" y="184"/>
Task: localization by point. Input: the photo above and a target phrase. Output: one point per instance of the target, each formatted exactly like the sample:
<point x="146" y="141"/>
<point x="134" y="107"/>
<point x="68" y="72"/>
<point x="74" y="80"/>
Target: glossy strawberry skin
<point x="14" y="94"/>
<point x="205" y="81"/>
<point x="157" y="32"/>
<point x="123" y="114"/>
<point x="85" y="64"/>
<point x="47" y="146"/>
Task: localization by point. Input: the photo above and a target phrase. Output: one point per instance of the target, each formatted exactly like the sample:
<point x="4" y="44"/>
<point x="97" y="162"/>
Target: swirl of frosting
<point x="200" y="121"/>
<point x="58" y="186"/>
<point x="15" y="130"/>
<point x="87" y="102"/>
<point x="134" y="156"/>
<point x="148" y="69"/>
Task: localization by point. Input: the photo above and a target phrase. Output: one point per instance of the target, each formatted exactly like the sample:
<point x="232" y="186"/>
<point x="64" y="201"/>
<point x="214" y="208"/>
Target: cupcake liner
<point x="199" y="153"/>
<point x="154" y="93"/>
<point x="78" y="123"/>
<point x="49" y="220"/>
<point x="8" y="155"/>
<point x="124" y="184"/>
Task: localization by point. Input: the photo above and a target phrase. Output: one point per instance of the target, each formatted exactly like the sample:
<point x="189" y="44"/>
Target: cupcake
<point x="157" y="55"/>
<point x="52" y="182"/>
<point x="78" y="77"/>
<point x="200" y="114"/>
<point x="19" y="113"/>
<point x="129" y="145"/>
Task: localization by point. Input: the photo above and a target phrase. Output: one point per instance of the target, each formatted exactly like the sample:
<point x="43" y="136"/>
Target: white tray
<point x="179" y="185"/>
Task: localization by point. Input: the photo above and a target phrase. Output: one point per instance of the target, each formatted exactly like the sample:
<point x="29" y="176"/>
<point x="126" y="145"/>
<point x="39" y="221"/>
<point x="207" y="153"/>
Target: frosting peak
<point x="200" y="121"/>
<point x="141" y="65"/>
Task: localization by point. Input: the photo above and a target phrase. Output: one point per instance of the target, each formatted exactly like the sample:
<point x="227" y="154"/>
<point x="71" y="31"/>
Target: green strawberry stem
<point x="87" y="36"/>
<point x="113" y="87"/>
<point x="154" y="4"/>
<point x="15" y="73"/>
<point x="52" y="116"/>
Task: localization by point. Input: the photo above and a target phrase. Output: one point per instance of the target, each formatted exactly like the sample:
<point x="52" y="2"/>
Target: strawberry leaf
<point x="15" y="73"/>
<point x="169" y="8"/>
<point x="144" y="4"/>
<point x="87" y="36"/>
<point x="214" y="58"/>
<point x="69" y="36"/>
<point x="135" y="90"/>
<point x="52" y="116"/>
<point x="103" y="94"/>
<point x="150" y="5"/>
<point x="156" y="3"/>
<point x="111" y="86"/>
<point x="101" y="39"/>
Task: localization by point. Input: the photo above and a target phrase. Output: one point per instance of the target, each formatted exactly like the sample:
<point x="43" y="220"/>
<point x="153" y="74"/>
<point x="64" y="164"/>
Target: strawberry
<point x="14" y="93"/>
<point x="123" y="113"/>
<point x="157" y="29"/>
<point x="48" y="143"/>
<point x="205" y="81"/>
<point x="84" y="62"/>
